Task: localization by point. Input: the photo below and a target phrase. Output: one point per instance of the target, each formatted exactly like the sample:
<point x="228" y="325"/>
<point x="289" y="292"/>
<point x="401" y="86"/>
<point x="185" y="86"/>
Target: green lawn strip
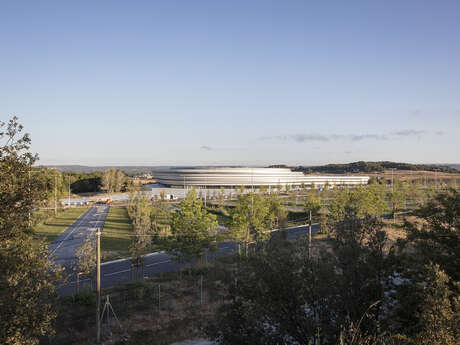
<point x="53" y="228"/>
<point x="117" y="234"/>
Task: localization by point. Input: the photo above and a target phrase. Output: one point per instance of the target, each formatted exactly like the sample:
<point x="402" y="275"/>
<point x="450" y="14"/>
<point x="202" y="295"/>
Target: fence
<point x="187" y="298"/>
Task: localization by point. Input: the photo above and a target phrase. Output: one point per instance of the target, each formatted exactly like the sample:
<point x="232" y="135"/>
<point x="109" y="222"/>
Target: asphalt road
<point x="64" y="247"/>
<point x="119" y="271"/>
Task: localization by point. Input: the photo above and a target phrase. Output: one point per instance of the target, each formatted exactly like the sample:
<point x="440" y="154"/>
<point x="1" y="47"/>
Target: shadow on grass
<point x="118" y="220"/>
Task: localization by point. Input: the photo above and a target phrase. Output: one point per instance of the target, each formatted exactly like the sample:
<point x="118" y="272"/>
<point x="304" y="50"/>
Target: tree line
<point x="367" y="167"/>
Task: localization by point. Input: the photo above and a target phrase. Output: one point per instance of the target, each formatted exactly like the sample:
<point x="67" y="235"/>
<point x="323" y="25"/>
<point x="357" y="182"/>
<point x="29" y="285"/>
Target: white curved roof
<point x="247" y="177"/>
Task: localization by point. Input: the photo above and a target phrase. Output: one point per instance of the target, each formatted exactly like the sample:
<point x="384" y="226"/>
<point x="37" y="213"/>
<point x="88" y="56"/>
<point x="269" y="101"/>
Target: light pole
<point x="98" y="286"/>
<point x="392" y="184"/>
<point x="185" y="194"/>
<point x="205" y="191"/>
<point x="69" y="191"/>
<point x="55" y="195"/>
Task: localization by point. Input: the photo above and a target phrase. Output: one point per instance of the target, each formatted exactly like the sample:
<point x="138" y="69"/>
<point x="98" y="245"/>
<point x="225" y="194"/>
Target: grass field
<point x="51" y="229"/>
<point x="116" y="237"/>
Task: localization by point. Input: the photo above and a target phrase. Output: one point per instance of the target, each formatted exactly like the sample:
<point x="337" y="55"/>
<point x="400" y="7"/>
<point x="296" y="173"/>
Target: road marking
<point x="76" y="227"/>
<point x="158" y="263"/>
<point x="129" y="258"/>
<point x="111" y="274"/>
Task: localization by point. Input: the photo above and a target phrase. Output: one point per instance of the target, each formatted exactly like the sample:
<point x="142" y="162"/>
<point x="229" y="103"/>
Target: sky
<point x="233" y="82"/>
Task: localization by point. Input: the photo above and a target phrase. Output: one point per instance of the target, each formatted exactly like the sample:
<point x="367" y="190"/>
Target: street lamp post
<point x="55" y="195"/>
<point x="392" y="184"/>
<point x="69" y="191"/>
<point x="98" y="286"/>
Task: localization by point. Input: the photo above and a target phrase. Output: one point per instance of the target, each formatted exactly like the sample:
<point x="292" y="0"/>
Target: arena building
<point x="256" y="177"/>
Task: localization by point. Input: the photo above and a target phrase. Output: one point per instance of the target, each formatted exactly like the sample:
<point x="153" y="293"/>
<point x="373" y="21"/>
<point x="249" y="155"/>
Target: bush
<point x="84" y="298"/>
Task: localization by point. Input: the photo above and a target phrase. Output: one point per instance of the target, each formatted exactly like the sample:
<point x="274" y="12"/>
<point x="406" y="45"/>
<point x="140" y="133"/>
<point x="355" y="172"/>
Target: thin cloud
<point x="367" y="136"/>
<point x="301" y="138"/>
<point x="206" y="148"/>
<point x="439" y="132"/>
<point x="314" y="137"/>
<point x="408" y="132"/>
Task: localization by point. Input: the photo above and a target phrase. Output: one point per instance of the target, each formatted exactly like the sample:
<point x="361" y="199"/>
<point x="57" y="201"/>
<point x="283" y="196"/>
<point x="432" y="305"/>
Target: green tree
<point x="360" y="202"/>
<point x="221" y="197"/>
<point x="278" y="287"/>
<point x="193" y="230"/>
<point x="251" y="219"/>
<point x="436" y="233"/>
<point x="414" y="193"/>
<point x="281" y="294"/>
<point x="323" y="226"/>
<point x="160" y="218"/>
<point x="140" y="214"/>
<point x="28" y="277"/>
<point x="119" y="181"/>
<point x="287" y="188"/>
<point x="427" y="306"/>
<point x="278" y="187"/>
<point x="303" y="187"/>
<point x="86" y="258"/>
<point x="361" y="248"/>
<point x="439" y="319"/>
<point x="108" y="180"/>
<point x="396" y="197"/>
<point x="312" y="203"/>
<point x="277" y="212"/>
<point x="113" y="180"/>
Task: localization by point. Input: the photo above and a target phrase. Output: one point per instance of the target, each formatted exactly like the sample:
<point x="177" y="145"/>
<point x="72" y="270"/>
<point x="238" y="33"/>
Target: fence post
<point x="159" y="298"/>
<point x="201" y="290"/>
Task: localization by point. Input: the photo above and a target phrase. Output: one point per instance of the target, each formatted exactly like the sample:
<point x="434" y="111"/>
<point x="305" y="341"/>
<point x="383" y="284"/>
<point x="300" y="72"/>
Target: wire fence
<point x="152" y="302"/>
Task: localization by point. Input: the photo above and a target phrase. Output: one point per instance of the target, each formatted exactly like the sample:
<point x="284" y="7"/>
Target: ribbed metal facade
<point x="234" y="177"/>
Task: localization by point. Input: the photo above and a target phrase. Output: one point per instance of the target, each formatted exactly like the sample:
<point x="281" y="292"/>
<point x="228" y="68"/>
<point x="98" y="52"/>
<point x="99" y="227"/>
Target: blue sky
<point x="233" y="82"/>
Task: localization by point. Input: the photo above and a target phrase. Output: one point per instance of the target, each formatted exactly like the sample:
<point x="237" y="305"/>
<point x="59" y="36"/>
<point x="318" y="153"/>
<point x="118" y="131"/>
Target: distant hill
<point x="455" y="166"/>
<point x="367" y="167"/>
<point x="128" y="169"/>
<point x="90" y="169"/>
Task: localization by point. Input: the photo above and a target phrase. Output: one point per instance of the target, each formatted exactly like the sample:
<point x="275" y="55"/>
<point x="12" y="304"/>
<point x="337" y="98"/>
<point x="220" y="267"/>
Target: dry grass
<point x="182" y="316"/>
<point x="394" y="230"/>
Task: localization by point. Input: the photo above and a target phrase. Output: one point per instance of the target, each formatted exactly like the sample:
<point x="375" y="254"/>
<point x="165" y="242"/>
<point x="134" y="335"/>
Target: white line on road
<point x="157" y="263"/>
<point x="111" y="274"/>
<point x="129" y="258"/>
<point x="70" y="233"/>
